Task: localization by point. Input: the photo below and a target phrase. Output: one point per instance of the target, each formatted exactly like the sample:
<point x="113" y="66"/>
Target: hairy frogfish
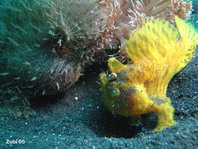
<point x="158" y="50"/>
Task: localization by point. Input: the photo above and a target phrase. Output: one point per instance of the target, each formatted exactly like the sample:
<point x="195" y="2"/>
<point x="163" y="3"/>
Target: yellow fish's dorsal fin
<point x="154" y="41"/>
<point x="186" y="31"/>
<point x="188" y="41"/>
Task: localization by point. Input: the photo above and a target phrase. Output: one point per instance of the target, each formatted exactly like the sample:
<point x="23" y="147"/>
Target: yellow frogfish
<point x="158" y="50"/>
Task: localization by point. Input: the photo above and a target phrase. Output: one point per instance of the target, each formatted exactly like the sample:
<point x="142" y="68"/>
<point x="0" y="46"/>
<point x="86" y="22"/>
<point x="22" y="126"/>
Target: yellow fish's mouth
<point x="109" y="84"/>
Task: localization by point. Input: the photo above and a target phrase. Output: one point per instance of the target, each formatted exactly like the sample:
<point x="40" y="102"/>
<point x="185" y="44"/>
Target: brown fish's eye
<point x="112" y="77"/>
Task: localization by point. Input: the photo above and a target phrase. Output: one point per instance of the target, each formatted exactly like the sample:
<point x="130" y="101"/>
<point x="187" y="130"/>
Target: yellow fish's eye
<point x="112" y="77"/>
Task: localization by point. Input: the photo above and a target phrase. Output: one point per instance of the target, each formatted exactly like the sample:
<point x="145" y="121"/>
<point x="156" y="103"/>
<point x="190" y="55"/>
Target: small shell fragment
<point x="4" y="74"/>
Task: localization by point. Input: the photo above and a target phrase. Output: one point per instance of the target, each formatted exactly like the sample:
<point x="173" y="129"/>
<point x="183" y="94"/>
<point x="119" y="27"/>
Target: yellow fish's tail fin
<point x="188" y="41"/>
<point x="154" y="41"/>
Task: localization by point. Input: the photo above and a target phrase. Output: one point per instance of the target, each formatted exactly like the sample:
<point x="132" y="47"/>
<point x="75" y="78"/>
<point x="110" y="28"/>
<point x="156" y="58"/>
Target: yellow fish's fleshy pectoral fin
<point x="115" y="65"/>
<point x="165" y="114"/>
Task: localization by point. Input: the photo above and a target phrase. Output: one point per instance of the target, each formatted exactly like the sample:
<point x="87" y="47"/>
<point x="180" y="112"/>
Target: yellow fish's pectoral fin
<point x="115" y="65"/>
<point x="165" y="113"/>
